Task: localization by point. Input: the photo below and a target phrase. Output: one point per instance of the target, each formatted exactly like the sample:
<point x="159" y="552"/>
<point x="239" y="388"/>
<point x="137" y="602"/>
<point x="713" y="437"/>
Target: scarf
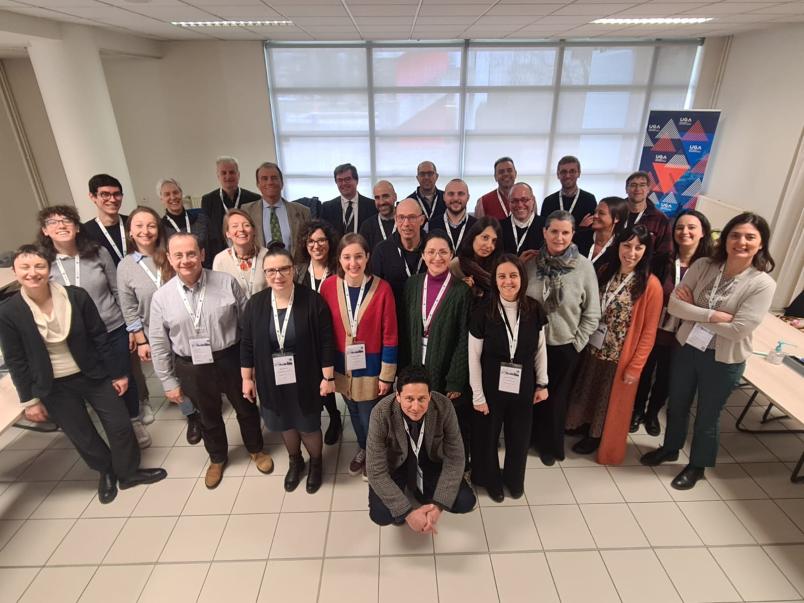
<point x="550" y="269"/>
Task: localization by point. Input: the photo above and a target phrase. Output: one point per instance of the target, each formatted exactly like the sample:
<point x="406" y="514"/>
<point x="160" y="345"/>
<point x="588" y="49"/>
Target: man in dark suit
<point x="350" y="209"/>
<point x="429" y="197"/>
<point x="228" y="196"/>
<point x="383" y="225"/>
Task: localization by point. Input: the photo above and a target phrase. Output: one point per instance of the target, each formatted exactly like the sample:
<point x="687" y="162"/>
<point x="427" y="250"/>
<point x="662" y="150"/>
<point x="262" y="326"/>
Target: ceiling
<point x="329" y="20"/>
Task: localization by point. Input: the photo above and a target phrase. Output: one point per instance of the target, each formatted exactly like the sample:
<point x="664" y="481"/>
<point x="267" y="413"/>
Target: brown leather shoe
<point x="214" y="475"/>
<point x="263" y="460"/>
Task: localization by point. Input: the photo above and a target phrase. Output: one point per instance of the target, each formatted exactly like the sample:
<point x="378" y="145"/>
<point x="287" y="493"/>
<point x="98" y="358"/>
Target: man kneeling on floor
<point x="414" y="442"/>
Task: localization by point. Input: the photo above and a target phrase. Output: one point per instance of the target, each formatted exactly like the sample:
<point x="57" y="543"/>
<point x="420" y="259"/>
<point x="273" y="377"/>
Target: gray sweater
<point x="577" y="318"/>
<point x="135" y="289"/>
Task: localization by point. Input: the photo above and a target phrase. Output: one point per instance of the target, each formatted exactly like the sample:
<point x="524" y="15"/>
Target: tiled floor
<point x="581" y="532"/>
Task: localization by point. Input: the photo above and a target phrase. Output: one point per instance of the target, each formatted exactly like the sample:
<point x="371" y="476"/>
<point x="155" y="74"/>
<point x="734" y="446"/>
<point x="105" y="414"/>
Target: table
<point x="779" y="383"/>
<point x="10" y="409"/>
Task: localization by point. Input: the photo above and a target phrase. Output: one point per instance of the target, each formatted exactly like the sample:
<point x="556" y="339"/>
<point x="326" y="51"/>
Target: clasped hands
<point x="424" y="519"/>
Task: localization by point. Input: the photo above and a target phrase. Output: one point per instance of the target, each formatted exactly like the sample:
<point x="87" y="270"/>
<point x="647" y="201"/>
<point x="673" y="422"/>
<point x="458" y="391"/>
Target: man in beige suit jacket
<point x="290" y="217"/>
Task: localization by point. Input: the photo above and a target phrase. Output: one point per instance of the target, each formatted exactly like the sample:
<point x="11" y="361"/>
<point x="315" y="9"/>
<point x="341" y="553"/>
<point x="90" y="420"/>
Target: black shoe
<point x="548" y="460"/>
<point x="143" y="476"/>
<point x="586" y="445"/>
<point x="636" y="419"/>
<point x="688" y="477"/>
<point x="193" y="429"/>
<point x="107" y="488"/>
<point x="496" y="495"/>
<point x="295" y="471"/>
<point x="334" y="430"/>
<point x="516" y="494"/>
<point x="652" y="425"/>
<point x="658" y="456"/>
<point x="314" y="478"/>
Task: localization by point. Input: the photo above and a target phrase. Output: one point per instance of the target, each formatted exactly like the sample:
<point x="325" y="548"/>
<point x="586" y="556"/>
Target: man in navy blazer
<point x="346" y="212"/>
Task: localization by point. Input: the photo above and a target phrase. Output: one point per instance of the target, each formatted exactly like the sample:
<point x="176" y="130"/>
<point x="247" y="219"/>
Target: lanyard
<point x="105" y="232"/>
<point x="607" y="299"/>
<point x="281" y="331"/>
<point x="250" y="272"/>
<point x="382" y="229"/>
<point x="602" y="251"/>
<point x="460" y="234"/>
<point x="505" y="209"/>
<point x="713" y="292"/>
<point x="354" y="316"/>
<point x="639" y="217"/>
<point x="176" y="226"/>
<point x="312" y="278"/>
<point x="404" y="261"/>
<point x="678" y="271"/>
<point x="196" y="316"/>
<point x="574" y="200"/>
<point x="64" y="272"/>
<point x="427" y="318"/>
<point x="423" y="205"/>
<point x="417" y="446"/>
<point x="226" y="209"/>
<point x="519" y="242"/>
<point x="156" y="278"/>
<point x="511" y="334"/>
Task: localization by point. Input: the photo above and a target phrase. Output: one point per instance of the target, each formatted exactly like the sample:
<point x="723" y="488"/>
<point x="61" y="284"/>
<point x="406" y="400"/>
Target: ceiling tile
<point x="243" y="12"/>
<point x="726" y="8"/>
<point x="389" y="10"/>
<point x="326" y="22"/>
<point x="390" y="21"/>
<point x="311" y="10"/>
<point x="563" y="20"/>
<point x="451" y="10"/>
<point x="525" y="9"/>
<point x="593" y="10"/>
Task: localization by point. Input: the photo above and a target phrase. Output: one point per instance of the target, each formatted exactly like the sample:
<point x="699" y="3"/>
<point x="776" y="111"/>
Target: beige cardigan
<point x="749" y="301"/>
<point x="223" y="262"/>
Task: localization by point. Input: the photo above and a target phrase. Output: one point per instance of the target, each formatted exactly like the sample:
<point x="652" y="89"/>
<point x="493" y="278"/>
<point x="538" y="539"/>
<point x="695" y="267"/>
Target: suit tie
<point x="348" y="218"/>
<point x="276" y="231"/>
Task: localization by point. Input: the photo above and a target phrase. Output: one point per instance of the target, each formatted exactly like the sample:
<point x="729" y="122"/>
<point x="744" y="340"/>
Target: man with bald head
<point x="522" y="230"/>
<point x="455" y="221"/>
<point x="380" y="227"/>
<point x="429" y="198"/>
<point x="400" y="256"/>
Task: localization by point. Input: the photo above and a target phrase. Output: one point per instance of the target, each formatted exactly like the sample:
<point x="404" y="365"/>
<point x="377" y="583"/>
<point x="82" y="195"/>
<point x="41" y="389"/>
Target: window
<point x="386" y="107"/>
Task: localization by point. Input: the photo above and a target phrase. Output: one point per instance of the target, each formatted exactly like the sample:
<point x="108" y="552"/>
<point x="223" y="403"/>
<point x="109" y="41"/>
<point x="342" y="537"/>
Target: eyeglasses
<point x="274" y="272"/>
<point x="441" y="253"/>
<point x="314" y="242"/>
<point x="411" y="218"/>
<point x="107" y="195"/>
<point x="426" y="174"/>
<point x="59" y="221"/>
<point x="344" y="180"/>
<point x="638" y="185"/>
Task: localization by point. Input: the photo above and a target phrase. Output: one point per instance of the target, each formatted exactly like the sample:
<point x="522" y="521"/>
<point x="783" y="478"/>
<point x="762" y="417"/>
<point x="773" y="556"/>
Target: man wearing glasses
<point x="108" y="229"/>
<point x="195" y="336"/>
<point x="348" y="211"/>
<point x="426" y="194"/>
<point x="522" y="230"/>
<point x="643" y="211"/>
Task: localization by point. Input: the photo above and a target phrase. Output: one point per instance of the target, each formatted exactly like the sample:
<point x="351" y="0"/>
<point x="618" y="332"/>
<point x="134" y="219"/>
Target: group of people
<point x="440" y="329"/>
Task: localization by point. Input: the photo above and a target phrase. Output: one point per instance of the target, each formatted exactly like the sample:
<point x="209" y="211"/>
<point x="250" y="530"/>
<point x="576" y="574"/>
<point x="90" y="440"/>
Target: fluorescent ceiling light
<point x="654" y="21"/>
<point x="253" y="23"/>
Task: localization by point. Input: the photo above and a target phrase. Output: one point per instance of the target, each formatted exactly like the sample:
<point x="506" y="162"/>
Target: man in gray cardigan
<point x="414" y="442"/>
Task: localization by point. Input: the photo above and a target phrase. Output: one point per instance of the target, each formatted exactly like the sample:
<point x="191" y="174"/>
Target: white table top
<point x="6" y="277"/>
<point x="10" y="410"/>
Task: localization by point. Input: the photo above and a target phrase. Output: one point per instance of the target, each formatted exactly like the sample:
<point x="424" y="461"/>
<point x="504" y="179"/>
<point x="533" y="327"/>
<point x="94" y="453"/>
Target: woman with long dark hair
<point x="602" y="396"/>
<point x="607" y="222"/>
<point x="476" y="255"/>
<point x="508" y="374"/>
<point x="720" y="301"/>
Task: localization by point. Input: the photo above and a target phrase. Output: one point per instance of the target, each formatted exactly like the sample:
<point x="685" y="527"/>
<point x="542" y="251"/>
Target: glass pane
<point x="529" y="154"/>
<point x="668" y="99"/>
<point x="604" y="185"/>
<point x="319" y="67"/>
<point x="674" y="65"/>
<point x="416" y="113"/>
<point x="598" y="153"/>
<point x="323" y="188"/>
<point x="319" y="156"/>
<point x="402" y="155"/>
<point x="600" y="111"/>
<point x="402" y="185"/>
<point x="606" y="66"/>
<point x="417" y="67"/>
<point x="479" y="186"/>
<point x="511" y="66"/>
<point x="495" y="112"/>
<point x="322" y="112"/>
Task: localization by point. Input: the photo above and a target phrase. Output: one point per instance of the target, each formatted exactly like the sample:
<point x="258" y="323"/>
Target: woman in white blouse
<point x="244" y="257"/>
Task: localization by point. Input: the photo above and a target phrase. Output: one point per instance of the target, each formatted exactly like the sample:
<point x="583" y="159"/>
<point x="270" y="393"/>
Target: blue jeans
<point x="118" y="344"/>
<point x="360" y="413"/>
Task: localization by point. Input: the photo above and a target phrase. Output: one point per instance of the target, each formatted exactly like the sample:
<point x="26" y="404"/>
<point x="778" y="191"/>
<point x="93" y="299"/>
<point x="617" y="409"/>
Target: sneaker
<point x="142" y="435"/>
<point x="357" y="465"/>
<point x="146" y="413"/>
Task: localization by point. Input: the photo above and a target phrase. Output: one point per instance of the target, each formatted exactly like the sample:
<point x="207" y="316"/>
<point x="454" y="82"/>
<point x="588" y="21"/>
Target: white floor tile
<point x="291" y="581"/>
<point x="715" y="523"/>
<point x="349" y="494"/>
<point x="34" y="542"/>
<point x="50" y="465"/>
<point x="547" y="487"/>
<point x="260" y="495"/>
<point x="352" y="534"/>
<point x="774" y="478"/>
<point x="141" y="540"/>
<point x="122" y="506"/>
<point x="359" y="577"/>
<point x="562" y="527"/>
<point x="639" y="484"/>
<point x="794" y="508"/>
<point x="696" y="575"/>
<point x="87" y="542"/>
<point x="300" y="501"/>
<point x="13" y="463"/>
<point x="406" y="579"/>
<point x="185" y="461"/>
<point x="125" y="581"/>
<point x="167" y="497"/>
<point x="746" y="448"/>
<point x="595" y="585"/>
<point x="593" y="485"/>
<point x="68" y="582"/>
<point x="766" y="522"/>
<point x="21" y="499"/>
<point x="510" y="529"/>
<point x="247" y="537"/>
<point x="523" y="578"/>
<point x="300" y="535"/>
<point x="66" y="500"/>
<point x="195" y="538"/>
<point x="9" y="527"/>
<point x="789" y="559"/>
<point x="637" y="574"/>
<point x="702" y="491"/>
<point x="232" y="581"/>
<point x="401" y="540"/>
<point x="217" y="501"/>
<point x="732" y="482"/>
<point x="465" y="579"/>
<point x="460" y="533"/>
<point x="665" y="525"/>
<point x="613" y="526"/>
<point x="753" y="573"/>
<point x="175" y="582"/>
<point x="15" y="580"/>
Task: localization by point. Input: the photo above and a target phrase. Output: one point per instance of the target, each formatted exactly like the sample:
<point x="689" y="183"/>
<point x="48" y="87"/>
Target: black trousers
<point x="650" y="400"/>
<point x="464" y="411"/>
<point x="381" y="515"/>
<point x="204" y="384"/>
<point x="549" y="415"/>
<point x="66" y="405"/>
<point x="515" y="418"/>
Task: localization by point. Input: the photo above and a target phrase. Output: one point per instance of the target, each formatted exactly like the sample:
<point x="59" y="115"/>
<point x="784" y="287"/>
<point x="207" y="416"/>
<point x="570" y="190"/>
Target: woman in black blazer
<point x="57" y="351"/>
<point x="287" y="357"/>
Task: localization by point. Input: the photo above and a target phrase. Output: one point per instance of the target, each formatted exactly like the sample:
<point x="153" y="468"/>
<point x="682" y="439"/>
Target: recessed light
<point x="654" y="21"/>
<point x="252" y="23"/>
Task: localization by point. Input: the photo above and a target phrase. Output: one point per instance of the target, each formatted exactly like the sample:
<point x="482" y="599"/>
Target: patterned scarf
<point x="550" y="269"/>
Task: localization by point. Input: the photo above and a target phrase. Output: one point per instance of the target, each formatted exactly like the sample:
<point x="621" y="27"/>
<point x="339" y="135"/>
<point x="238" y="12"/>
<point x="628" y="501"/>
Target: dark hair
<point x="277" y="248"/>
<point x="87" y="248"/>
<point x="30" y="249"/>
<point x="303" y="256"/>
<point x="618" y="208"/>
<point x="415" y="373"/>
<point x="503" y="160"/>
<point x="705" y="245"/>
<point x="642" y="269"/>
<point x="569" y="159"/>
<point x="99" y="180"/>
<point x="466" y="250"/>
<point x="160" y="252"/>
<point x="352" y="238"/>
<point x="268" y="165"/>
<point x="526" y="304"/>
<point x="639" y="174"/>
<point x="762" y="260"/>
<point x="344" y="167"/>
<point x="437" y="233"/>
<point x="182" y="235"/>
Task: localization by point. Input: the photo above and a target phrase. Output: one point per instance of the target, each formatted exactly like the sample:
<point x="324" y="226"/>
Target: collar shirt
<point x="284" y="223"/>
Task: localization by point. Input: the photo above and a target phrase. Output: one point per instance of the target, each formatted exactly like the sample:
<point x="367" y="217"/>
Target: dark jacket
<point x="533" y="239"/>
<point x="26" y="354"/>
<point x="387" y="263"/>
<point x="332" y="212"/>
<point x="212" y="206"/>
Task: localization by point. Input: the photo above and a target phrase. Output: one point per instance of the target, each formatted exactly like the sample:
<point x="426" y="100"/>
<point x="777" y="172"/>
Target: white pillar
<point x="73" y="86"/>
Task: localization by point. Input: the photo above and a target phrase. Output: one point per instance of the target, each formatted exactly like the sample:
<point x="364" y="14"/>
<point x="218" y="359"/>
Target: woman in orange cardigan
<point x="602" y="397"/>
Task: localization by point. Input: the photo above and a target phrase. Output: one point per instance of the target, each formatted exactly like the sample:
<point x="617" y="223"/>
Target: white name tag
<point x="510" y="377"/>
<point x="284" y="369"/>
<point x="424" y="349"/>
<point x="356" y="357"/>
<point x="700" y="337"/>
<point x="596" y="339"/>
<point x="201" y="350"/>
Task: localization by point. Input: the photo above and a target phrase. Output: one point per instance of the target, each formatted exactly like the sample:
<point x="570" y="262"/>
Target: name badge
<point x="201" y="350"/>
<point x="700" y="337"/>
<point x="356" y="357"/>
<point x="510" y="377"/>
<point x="424" y="348"/>
<point x="284" y="369"/>
<point x="596" y="339"/>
